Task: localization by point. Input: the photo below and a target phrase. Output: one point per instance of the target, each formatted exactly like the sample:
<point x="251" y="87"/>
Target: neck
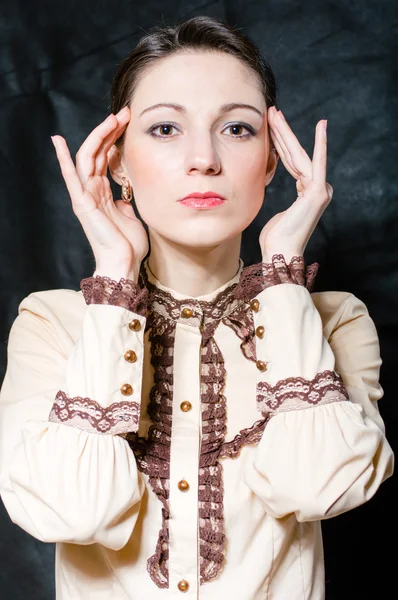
<point x="193" y="271"/>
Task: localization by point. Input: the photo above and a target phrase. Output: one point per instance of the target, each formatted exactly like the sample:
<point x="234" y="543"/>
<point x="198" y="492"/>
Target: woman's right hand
<point x="117" y="237"/>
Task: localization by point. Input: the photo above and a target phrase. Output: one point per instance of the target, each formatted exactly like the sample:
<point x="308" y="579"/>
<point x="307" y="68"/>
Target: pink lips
<point x="203" y="200"/>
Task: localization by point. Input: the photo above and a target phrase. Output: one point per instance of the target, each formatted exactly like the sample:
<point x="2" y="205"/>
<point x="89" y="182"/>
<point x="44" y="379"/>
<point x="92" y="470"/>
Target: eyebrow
<point x="223" y="109"/>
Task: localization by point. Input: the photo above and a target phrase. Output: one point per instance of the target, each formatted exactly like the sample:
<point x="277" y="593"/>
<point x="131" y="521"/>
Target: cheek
<point x="249" y="182"/>
<point x="249" y="179"/>
<point x="142" y="171"/>
<point x="252" y="165"/>
<point x="150" y="180"/>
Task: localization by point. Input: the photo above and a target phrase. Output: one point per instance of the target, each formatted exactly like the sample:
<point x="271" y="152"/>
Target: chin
<point x="200" y="235"/>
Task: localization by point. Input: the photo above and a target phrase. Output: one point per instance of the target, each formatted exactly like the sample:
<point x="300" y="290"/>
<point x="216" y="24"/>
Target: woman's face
<point x="200" y="146"/>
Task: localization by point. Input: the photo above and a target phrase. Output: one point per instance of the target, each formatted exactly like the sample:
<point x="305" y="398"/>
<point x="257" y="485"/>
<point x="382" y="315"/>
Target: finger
<point x="101" y="160"/>
<point x="284" y="154"/>
<point x="283" y="158"/>
<point x="85" y="158"/>
<point x="300" y="159"/>
<point x="319" y="159"/>
<point x="277" y="135"/>
<point x="68" y="169"/>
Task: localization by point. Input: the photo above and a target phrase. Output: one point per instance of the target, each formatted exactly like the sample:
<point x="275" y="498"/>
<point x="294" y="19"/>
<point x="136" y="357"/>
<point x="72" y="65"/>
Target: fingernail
<point x="109" y="117"/>
<point x="52" y="139"/>
<point x="123" y="110"/>
<point x="282" y="115"/>
<point x="325" y="124"/>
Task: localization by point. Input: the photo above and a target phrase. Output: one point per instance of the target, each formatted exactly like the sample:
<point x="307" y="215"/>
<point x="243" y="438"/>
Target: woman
<point x="183" y="423"/>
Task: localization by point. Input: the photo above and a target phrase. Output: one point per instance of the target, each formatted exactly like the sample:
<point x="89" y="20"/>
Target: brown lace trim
<point x="153" y="453"/>
<point x="212" y="538"/>
<point x="296" y="392"/>
<point x="246" y="437"/>
<point x="260" y="276"/>
<point x="125" y="293"/>
<point x="241" y="322"/>
<point x="88" y="415"/>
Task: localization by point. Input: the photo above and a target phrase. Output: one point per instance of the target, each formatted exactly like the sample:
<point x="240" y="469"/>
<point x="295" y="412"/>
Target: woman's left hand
<point x="288" y="232"/>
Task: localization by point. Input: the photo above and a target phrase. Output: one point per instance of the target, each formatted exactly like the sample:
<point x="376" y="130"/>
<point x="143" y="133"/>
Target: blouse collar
<point x="191" y="310"/>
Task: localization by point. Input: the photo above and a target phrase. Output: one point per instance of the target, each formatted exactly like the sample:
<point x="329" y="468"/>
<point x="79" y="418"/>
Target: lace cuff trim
<point x="296" y="393"/>
<point x="125" y="293"/>
<point x="88" y="415"/>
<point x="260" y="276"/>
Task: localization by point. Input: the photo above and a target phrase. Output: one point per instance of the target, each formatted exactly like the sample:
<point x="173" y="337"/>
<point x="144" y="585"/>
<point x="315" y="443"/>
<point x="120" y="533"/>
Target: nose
<point x="202" y="156"/>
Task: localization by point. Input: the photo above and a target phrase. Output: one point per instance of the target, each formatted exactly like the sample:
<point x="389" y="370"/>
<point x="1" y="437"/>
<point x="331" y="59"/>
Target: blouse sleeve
<point x="324" y="450"/>
<point x="66" y="473"/>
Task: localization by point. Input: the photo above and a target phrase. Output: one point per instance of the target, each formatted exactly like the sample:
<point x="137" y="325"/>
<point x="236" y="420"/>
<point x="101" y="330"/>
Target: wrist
<point x="288" y="255"/>
<point x="117" y="272"/>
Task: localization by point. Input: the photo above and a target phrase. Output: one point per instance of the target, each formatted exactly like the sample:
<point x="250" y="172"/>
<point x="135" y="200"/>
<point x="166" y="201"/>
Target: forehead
<point x="187" y="77"/>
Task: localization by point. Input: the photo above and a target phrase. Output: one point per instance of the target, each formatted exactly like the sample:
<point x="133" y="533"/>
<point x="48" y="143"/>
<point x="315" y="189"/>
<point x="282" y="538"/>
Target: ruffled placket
<point x="232" y="307"/>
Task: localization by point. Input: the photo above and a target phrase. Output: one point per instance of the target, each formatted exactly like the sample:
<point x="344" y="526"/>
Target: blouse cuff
<point x="88" y="415"/>
<point x="125" y="293"/>
<point x="260" y="276"/>
<point x="295" y="393"/>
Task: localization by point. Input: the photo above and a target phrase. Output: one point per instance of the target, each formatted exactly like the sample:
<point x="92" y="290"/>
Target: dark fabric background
<point x="334" y="60"/>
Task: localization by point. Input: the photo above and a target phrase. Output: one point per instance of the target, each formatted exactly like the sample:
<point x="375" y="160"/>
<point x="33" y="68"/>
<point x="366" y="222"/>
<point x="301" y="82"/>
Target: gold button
<point x="183" y="485"/>
<point x="183" y="585"/>
<point x="260" y="331"/>
<point x="135" y="325"/>
<point x="254" y="304"/>
<point x="130" y="356"/>
<point x="126" y="389"/>
<point x="185" y="406"/>
<point x="186" y="312"/>
<point x="261" y="366"/>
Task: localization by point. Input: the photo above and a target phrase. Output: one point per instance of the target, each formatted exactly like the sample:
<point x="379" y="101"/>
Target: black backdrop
<point x="333" y="60"/>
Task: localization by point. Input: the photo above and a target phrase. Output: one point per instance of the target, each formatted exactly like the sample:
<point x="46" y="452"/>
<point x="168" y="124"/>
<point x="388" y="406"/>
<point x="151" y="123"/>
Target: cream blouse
<point x="174" y="446"/>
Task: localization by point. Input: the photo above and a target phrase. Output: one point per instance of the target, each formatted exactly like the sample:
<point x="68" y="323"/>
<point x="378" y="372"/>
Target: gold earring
<point x="127" y="192"/>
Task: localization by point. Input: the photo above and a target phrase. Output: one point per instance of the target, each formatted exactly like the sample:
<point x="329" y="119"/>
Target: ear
<point x="115" y="164"/>
<point x="273" y="159"/>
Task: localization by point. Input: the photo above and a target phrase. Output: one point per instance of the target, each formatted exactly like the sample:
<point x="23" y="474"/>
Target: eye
<point x="239" y="126"/>
<point x="162" y="126"/>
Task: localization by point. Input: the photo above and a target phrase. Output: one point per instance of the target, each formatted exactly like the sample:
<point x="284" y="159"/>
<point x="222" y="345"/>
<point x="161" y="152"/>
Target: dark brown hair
<point x="195" y="34"/>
